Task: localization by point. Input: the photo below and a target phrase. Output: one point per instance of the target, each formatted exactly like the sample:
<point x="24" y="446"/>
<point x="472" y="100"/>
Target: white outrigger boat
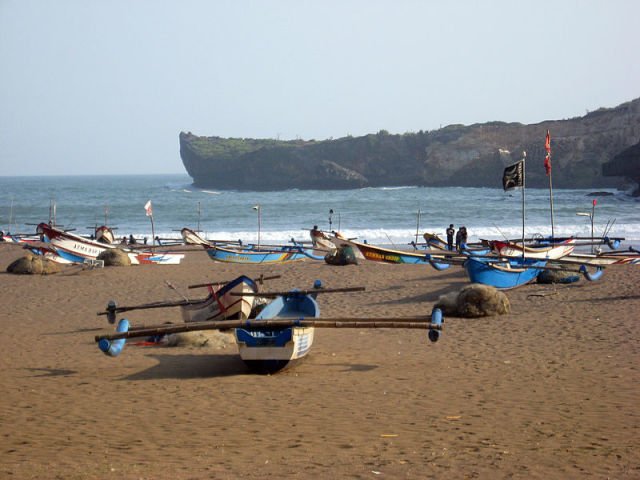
<point x="552" y="251"/>
<point x="225" y="301"/>
<point x="66" y="247"/>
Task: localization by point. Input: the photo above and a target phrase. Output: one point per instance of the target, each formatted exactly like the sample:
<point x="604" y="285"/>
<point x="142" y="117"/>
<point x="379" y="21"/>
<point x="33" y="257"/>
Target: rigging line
<point x="610" y="227"/>
<point x="172" y="287"/>
<point x="500" y="231"/>
<point x="390" y="241"/>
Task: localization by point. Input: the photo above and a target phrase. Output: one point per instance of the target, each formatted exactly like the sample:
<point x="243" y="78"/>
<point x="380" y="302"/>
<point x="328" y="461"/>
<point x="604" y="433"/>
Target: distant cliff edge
<point x="625" y="164"/>
<point x="455" y="155"/>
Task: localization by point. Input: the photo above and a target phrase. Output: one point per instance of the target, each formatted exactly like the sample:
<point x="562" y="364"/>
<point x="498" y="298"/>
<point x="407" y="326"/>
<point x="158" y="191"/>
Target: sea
<point x="383" y="216"/>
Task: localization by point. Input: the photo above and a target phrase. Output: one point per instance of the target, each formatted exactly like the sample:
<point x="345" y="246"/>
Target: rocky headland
<point x="455" y="155"/>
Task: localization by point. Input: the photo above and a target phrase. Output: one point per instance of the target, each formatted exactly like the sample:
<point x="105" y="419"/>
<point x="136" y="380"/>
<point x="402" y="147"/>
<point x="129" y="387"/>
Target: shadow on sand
<point x="191" y="366"/>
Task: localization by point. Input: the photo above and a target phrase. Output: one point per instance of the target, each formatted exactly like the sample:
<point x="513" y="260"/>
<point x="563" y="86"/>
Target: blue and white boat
<point x="254" y="254"/>
<point x="503" y="274"/>
<point x="268" y="351"/>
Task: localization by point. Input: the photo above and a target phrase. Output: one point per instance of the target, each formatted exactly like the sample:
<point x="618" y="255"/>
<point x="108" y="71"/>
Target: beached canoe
<point x="225" y="301"/>
<point x="376" y="253"/>
<point x="268" y="351"/>
<point x="503" y="274"/>
<point x="254" y="254"/>
<point x="550" y="251"/>
<point x="72" y="248"/>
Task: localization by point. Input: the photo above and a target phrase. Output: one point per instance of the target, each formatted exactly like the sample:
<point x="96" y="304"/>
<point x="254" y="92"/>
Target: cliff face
<point x="456" y="155"/>
<point x="625" y="164"/>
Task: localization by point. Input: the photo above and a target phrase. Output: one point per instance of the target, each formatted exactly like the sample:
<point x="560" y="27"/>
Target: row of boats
<point x="502" y="264"/>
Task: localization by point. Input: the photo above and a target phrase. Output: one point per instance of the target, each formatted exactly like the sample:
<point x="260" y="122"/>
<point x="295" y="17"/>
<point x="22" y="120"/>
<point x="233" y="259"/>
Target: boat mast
<point x="199" y="213"/>
<point x="257" y="208"/>
<point x="11" y="214"/>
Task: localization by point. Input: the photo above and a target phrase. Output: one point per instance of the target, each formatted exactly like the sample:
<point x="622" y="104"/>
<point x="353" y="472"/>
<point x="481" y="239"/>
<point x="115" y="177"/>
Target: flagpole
<point x="258" y="209"/>
<point x="153" y="231"/>
<point x="553" y="236"/>
<point x="148" y="208"/>
<point x="547" y="166"/>
<point x="524" y="182"/>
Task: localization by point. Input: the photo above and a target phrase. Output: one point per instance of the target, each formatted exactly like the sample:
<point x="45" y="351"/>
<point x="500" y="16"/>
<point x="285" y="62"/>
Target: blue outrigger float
<point x="281" y="334"/>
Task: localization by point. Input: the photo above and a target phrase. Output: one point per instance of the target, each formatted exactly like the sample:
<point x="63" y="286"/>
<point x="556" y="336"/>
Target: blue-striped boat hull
<point x="503" y="274"/>
<point x="268" y="351"/>
<point x="254" y="256"/>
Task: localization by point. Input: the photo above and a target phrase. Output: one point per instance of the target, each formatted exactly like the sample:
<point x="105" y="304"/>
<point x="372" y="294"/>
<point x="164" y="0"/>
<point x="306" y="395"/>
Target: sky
<point x="105" y="87"/>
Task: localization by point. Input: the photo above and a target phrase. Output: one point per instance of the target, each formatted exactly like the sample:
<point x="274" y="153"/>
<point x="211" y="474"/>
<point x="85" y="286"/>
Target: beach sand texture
<point x="551" y="390"/>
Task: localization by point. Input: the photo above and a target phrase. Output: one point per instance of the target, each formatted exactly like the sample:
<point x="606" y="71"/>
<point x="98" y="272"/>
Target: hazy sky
<point x="92" y="87"/>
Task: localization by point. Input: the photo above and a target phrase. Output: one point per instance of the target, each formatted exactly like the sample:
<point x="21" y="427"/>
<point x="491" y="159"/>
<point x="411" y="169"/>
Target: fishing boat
<point x="233" y="299"/>
<point x="104" y="234"/>
<point x="622" y="257"/>
<point x="253" y="254"/>
<point x="281" y="334"/>
<point x="268" y="351"/>
<point x="548" y="251"/>
<point x="71" y="248"/>
<point x="22" y="238"/>
<point x="435" y="242"/>
<point x="192" y="238"/>
<point x="225" y="301"/>
<point x="364" y="251"/>
<point x="321" y="240"/>
<point x="503" y="274"/>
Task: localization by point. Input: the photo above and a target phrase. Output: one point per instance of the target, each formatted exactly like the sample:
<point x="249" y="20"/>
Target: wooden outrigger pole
<point x="418" y="322"/>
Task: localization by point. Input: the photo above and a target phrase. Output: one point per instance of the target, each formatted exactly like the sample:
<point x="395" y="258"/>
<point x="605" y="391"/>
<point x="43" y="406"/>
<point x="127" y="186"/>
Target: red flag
<point x="594" y="202"/>
<point x="547" y="158"/>
<point x="547" y="142"/>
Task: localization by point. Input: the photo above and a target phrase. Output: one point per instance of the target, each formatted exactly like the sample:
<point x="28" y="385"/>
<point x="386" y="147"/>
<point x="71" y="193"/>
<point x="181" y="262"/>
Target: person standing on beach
<point x="450" y="232"/>
<point x="463" y="237"/>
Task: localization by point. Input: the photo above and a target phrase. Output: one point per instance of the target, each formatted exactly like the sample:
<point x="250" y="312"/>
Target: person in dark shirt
<point x="450" y="233"/>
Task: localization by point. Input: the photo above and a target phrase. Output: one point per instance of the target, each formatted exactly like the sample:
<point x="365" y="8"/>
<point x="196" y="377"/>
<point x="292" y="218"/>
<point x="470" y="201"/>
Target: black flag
<point x="513" y="176"/>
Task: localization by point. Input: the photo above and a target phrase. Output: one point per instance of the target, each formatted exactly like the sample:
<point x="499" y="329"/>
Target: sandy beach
<point x="549" y="391"/>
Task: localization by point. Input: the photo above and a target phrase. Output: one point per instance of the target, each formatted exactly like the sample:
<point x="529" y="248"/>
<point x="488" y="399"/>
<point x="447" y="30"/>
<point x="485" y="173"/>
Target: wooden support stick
<point x="298" y="292"/>
<point x="260" y="279"/>
<point x="178" y="303"/>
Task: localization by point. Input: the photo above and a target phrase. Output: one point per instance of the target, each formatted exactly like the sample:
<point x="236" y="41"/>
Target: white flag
<point x="256" y="207"/>
<point x="147" y="207"/>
